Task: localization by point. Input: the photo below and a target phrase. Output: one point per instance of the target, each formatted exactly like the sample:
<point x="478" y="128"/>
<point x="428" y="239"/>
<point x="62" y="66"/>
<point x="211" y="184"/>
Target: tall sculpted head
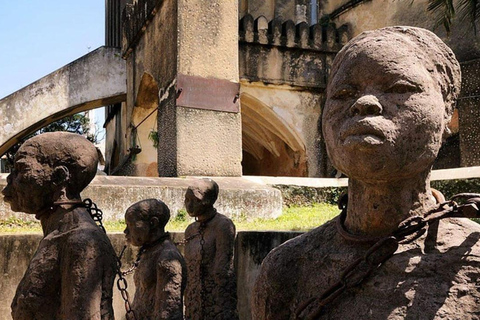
<point x="48" y="167"/>
<point x="390" y="96"/>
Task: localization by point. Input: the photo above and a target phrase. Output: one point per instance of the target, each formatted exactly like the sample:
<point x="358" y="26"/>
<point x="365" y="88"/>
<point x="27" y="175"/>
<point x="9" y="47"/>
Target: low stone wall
<point x="251" y="248"/>
<point x="238" y="197"/>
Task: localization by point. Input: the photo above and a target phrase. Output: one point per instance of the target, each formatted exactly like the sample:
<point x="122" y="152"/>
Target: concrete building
<point x="236" y="88"/>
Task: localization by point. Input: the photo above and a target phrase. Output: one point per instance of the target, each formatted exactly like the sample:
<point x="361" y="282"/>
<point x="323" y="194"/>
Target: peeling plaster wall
<point x="156" y="54"/>
<point x="366" y="16"/>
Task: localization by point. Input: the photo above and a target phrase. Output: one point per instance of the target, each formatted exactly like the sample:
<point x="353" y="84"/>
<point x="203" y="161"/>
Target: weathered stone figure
<point x="211" y="288"/>
<point x="160" y="276"/>
<point x="71" y="274"/>
<point x="390" y="96"/>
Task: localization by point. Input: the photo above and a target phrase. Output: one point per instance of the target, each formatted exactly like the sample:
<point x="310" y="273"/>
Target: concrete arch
<point x="270" y="145"/>
<point x="94" y="80"/>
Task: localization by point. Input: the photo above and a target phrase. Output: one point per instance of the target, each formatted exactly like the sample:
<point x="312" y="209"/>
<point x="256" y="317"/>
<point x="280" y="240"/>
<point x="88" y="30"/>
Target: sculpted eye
<point x="344" y="93"/>
<point x="404" y="87"/>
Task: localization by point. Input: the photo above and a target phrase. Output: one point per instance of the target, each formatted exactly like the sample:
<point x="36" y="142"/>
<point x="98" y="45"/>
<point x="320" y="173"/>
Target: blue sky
<point x="38" y="37"/>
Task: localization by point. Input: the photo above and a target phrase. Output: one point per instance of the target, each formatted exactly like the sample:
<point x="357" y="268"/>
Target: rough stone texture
<point x="208" y="39"/>
<point x="211" y="286"/>
<point x="16" y="251"/>
<point x="71" y="274"/>
<point x="92" y="81"/>
<point x="283" y="69"/>
<point x="209" y="143"/>
<point x="279" y="51"/>
<point x="464" y="42"/>
<point x="469" y="113"/>
<point x="420" y="281"/>
<point x="250" y="250"/>
<point x="389" y="99"/>
<point x="160" y="277"/>
<point x="238" y="197"/>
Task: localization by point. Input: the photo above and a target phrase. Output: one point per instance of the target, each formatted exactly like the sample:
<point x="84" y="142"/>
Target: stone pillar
<point x="190" y="49"/>
<point x="209" y="133"/>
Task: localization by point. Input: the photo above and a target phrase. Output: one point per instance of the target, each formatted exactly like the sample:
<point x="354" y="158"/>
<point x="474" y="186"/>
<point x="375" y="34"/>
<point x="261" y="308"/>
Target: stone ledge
<point x="238" y="196"/>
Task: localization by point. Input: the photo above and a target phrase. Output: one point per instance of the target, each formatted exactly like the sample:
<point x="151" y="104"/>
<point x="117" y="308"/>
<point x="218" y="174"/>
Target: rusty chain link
<point x="97" y="216"/>
<point x="122" y="286"/>
<point x="408" y="231"/>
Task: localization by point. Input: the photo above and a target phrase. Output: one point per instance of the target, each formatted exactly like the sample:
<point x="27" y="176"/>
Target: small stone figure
<point x="211" y="287"/>
<point x="72" y="272"/>
<point x="390" y="97"/>
<point x="160" y="275"/>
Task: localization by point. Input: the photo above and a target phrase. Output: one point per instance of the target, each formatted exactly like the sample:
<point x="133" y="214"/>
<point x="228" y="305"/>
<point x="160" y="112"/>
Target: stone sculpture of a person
<point x="160" y="275"/>
<point x="390" y="96"/>
<point x="71" y="274"/>
<point x="211" y="287"/>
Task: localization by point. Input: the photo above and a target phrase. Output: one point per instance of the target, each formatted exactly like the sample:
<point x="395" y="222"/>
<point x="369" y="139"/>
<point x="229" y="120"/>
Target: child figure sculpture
<point x="211" y="287"/>
<point x="71" y="274"/>
<point x="160" y="276"/>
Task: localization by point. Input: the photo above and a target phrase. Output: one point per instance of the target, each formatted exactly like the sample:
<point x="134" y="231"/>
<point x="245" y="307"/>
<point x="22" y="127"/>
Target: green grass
<point x="293" y="219"/>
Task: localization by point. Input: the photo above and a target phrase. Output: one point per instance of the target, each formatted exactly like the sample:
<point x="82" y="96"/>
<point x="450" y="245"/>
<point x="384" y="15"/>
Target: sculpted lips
<point x="363" y="133"/>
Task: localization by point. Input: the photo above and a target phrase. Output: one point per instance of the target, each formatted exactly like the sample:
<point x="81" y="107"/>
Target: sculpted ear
<point x="154" y="223"/>
<point x="60" y="175"/>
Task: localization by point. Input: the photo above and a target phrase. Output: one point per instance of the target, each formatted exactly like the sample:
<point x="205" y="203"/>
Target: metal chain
<point x="97" y="216"/>
<point x="408" y="231"/>
<point x="122" y="286"/>
<point x="186" y="240"/>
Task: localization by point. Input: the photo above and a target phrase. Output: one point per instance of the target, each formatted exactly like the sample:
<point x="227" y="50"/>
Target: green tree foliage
<point x="446" y="10"/>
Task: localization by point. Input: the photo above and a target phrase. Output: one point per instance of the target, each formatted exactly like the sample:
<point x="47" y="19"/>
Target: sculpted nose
<point x="366" y="106"/>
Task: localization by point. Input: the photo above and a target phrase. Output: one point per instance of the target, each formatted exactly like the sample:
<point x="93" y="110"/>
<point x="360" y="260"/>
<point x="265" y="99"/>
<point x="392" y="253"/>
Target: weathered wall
<point x="295" y="10"/>
<point x="462" y="39"/>
<point x="237" y="196"/>
<point x="16" y="251"/>
<point x="208" y="141"/>
<point x="300" y="111"/>
<point x="150" y="49"/>
<point x="164" y="39"/>
<point x="285" y="66"/>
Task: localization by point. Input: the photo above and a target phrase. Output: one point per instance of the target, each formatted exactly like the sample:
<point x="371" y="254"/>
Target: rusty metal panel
<point x="208" y="94"/>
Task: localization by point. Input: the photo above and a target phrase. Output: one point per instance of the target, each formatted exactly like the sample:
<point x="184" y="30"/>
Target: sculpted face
<point x="28" y="185"/>
<point x="137" y="231"/>
<point x="384" y="115"/>
<point x="193" y="205"/>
